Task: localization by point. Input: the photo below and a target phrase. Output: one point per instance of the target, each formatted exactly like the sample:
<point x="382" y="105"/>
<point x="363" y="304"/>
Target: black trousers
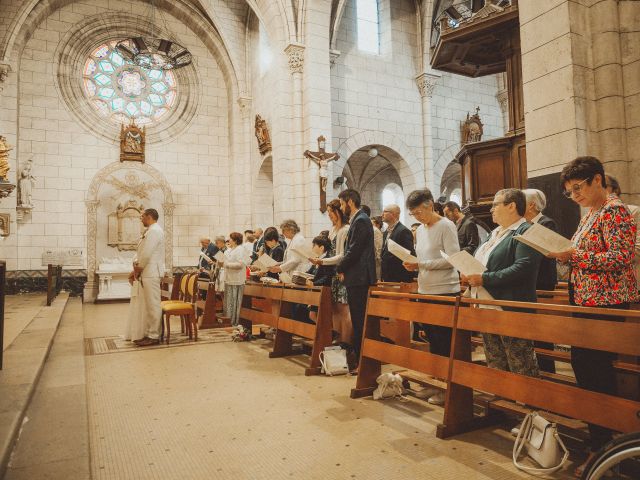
<point x="357" y="299"/>
<point x="439" y="337"/>
<point x="545" y="364"/>
<point x="594" y="371"/>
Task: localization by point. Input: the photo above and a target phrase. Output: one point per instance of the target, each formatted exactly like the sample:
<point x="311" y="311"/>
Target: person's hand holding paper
<point x="547" y="242"/>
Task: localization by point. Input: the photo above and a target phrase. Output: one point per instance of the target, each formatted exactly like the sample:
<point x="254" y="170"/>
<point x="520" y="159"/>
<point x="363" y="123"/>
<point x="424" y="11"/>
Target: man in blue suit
<point x="358" y="267"/>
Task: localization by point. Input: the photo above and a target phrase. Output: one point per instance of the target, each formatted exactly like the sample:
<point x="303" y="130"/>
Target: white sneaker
<point x="437" y="399"/>
<point x="427" y="392"/>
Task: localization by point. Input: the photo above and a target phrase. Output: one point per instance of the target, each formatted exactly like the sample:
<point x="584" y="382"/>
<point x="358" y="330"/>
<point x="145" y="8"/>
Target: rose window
<point x="122" y="91"/>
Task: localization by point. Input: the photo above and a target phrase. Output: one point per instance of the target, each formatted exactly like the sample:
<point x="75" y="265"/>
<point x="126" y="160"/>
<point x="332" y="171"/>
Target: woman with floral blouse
<point x="602" y="273"/>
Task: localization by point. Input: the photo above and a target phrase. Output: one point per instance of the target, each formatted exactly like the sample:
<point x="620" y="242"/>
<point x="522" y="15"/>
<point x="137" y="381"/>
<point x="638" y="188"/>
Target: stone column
<point x="90" y="288"/>
<point x="168" y="209"/>
<point x="302" y="203"/>
<point x="503" y="100"/>
<point x="426" y="85"/>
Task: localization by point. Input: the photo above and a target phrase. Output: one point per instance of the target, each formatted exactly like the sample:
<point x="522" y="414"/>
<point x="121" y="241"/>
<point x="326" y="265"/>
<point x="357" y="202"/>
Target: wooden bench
<point x="260" y="305"/>
<point x="319" y="333"/>
<point x="543" y="323"/>
<point x="398" y="331"/>
<point x="375" y="352"/>
<point x="207" y="305"/>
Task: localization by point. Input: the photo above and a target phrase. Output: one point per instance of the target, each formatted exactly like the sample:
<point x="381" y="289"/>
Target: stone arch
<point x="281" y="16"/>
<point x="444" y="159"/>
<point x="405" y="161"/>
<point x="92" y="202"/>
<point x="263" y="194"/>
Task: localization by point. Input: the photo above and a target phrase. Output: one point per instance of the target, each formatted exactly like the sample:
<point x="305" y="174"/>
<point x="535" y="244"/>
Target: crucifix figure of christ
<point x="322" y="159"/>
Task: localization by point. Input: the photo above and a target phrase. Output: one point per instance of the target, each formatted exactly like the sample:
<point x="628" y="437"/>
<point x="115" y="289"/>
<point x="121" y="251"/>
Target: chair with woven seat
<point x="184" y="308"/>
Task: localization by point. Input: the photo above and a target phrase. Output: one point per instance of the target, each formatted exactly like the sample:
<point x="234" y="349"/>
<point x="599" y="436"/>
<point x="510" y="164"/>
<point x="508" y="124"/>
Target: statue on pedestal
<point x="25" y="184"/>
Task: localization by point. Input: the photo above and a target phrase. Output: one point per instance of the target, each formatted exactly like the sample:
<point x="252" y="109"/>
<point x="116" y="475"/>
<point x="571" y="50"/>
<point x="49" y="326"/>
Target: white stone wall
<point x="66" y="156"/>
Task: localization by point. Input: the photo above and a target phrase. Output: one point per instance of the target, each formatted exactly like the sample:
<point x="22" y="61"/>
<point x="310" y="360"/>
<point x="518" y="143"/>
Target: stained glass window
<point x="122" y="91"/>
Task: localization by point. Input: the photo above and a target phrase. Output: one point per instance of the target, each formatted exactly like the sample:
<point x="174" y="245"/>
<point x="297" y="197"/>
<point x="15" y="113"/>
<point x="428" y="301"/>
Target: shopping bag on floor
<point x="389" y="385"/>
<point x="334" y="361"/>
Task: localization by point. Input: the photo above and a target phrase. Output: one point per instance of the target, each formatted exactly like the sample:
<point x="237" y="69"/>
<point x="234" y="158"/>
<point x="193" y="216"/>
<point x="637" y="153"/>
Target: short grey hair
<point x="290" y="225"/>
<point x="205" y="239"/>
<point x="514" y="195"/>
<point x="220" y="238"/>
<point x="537" y="197"/>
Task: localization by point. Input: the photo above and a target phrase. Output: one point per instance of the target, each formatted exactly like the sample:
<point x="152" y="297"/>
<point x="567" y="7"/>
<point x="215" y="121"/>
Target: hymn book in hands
<point x="468" y="265"/>
<point x="305" y="250"/>
<point x="219" y="257"/>
<point x="265" y="262"/>
<point x="544" y="240"/>
<point x="206" y="257"/>
<point x="401" y="252"/>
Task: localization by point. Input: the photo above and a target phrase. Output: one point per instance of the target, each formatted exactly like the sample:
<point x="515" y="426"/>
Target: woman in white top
<point x="235" y="267"/>
<point x="292" y="261"/>
<point x="338" y="237"/>
<point x="436" y="276"/>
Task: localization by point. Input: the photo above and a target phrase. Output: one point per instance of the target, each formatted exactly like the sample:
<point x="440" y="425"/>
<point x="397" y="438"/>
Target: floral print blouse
<point x="602" y="271"/>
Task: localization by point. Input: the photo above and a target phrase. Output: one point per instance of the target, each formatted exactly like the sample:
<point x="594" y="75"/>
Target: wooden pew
<point x="397" y="331"/>
<point x="260" y="305"/>
<point x="546" y="322"/>
<point x="319" y="333"/>
<point x="375" y="352"/>
<point x="207" y="308"/>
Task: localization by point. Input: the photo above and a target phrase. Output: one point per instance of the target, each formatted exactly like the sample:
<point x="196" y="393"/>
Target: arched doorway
<point x="371" y="170"/>
<point x="451" y="183"/>
<point x="263" y="195"/>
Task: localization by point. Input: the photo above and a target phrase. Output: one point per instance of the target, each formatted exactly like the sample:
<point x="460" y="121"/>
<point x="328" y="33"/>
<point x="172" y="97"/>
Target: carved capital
<point x="503" y="100"/>
<point x="168" y="208"/>
<point x="92" y="206"/>
<point x="295" y="55"/>
<point x="5" y="68"/>
<point x="426" y="84"/>
<point x="245" y="106"/>
<point x="333" y="56"/>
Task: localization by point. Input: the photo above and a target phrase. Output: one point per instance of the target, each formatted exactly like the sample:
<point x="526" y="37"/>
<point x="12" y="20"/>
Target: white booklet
<point x="467" y="264"/>
<point x="206" y="257"/>
<point x="401" y="252"/>
<point x="305" y="250"/>
<point x="265" y="262"/>
<point x="544" y="240"/>
<point x="219" y="256"/>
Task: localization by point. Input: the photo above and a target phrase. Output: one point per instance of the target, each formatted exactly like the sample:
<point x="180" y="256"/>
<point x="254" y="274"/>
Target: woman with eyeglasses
<point x="602" y="273"/>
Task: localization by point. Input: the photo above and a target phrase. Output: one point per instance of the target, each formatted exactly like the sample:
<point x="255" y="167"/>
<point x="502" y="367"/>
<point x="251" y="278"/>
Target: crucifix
<point x="322" y="159"/>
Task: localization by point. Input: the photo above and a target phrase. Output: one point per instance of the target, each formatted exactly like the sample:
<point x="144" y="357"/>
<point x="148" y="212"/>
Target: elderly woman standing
<point x="235" y="266"/>
<point x="512" y="271"/>
<point x="292" y="259"/>
<point x="602" y="255"/>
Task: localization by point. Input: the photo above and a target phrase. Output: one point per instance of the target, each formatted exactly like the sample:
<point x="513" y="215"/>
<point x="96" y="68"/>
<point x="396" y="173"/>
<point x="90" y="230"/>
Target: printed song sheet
<point x="401" y="252"/>
<point x="219" y="257"/>
<point x="468" y="265"/>
<point x="265" y="262"/>
<point x="206" y="257"/>
<point x="544" y="240"/>
<point x="305" y="250"/>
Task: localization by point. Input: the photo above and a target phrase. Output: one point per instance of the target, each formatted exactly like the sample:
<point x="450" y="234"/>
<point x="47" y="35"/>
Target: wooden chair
<point x="186" y="309"/>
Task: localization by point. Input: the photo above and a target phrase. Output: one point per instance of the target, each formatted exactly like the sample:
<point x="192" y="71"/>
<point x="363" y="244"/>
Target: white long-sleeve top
<point x="150" y="252"/>
<point x="341" y="240"/>
<point x="235" y="265"/>
<point x="293" y="260"/>
<point x="436" y="275"/>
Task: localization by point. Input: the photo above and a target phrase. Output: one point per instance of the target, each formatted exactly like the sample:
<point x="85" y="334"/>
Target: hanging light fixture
<point x="151" y="52"/>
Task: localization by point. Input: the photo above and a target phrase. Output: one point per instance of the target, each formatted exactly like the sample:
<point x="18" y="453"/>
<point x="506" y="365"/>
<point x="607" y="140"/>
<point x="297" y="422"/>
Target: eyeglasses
<point x="417" y="211"/>
<point x="495" y="204"/>
<point x="574" y="188"/>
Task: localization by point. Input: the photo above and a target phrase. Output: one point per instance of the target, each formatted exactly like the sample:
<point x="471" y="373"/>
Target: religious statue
<point x="132" y="142"/>
<point x="5" y="221"/>
<point x="262" y="134"/>
<point x="26" y="183"/>
<point x="322" y="159"/>
<point x="471" y="130"/>
<point x="5" y="148"/>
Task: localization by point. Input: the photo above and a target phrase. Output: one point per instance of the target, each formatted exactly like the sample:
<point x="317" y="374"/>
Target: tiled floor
<point x="227" y="411"/>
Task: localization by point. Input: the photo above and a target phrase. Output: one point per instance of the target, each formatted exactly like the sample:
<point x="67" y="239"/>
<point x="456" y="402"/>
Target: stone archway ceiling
<point x="362" y="169"/>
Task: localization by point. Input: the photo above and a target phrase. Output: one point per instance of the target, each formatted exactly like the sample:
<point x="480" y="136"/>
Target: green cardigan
<point x="512" y="269"/>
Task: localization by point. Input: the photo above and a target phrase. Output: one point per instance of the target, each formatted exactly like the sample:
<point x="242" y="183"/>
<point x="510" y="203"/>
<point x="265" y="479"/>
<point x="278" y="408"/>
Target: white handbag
<point x="334" y="361"/>
<point x="389" y="385"/>
<point x="541" y="442"/>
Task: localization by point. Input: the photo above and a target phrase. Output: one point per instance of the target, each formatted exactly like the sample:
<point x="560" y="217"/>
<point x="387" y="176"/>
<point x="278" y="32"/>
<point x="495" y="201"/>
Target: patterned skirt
<point x="338" y="291"/>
